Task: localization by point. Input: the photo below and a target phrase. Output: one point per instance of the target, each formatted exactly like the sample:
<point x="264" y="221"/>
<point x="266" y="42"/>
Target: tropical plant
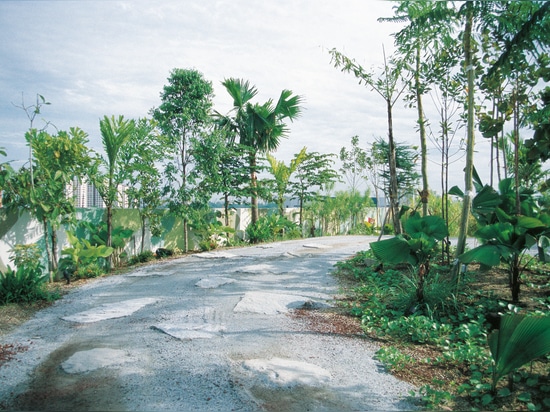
<point x="26" y="282"/>
<point x="281" y="176"/>
<point x="270" y="228"/>
<point x="506" y="235"/>
<point x="82" y="258"/>
<point x="115" y="134"/>
<point x="259" y="126"/>
<point x="417" y="247"/>
<point x="520" y="339"/>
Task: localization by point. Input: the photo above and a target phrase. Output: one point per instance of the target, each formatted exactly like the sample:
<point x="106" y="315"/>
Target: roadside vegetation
<point x="445" y="342"/>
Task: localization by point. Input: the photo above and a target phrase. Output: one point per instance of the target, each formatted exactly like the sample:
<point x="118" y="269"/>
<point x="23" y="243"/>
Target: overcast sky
<point x="92" y="58"/>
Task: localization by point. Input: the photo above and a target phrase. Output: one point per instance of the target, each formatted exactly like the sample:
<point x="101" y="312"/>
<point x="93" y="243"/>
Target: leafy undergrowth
<point x="440" y="346"/>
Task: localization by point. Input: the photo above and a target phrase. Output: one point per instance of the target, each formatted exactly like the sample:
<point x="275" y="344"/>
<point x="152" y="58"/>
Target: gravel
<point x="206" y="332"/>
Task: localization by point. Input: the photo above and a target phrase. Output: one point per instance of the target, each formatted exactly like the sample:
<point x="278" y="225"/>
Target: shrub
<point x="26" y="284"/>
<point x="142" y="257"/>
<point x="22" y="285"/>
<point x="272" y="227"/>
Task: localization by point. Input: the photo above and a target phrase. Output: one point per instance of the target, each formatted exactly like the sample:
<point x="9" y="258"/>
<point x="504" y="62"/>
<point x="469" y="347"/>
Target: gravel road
<point x="206" y="332"/>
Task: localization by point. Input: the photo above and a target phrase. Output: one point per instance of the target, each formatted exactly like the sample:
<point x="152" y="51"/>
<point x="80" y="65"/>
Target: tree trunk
<point x="470" y="139"/>
<point x="48" y="250"/>
<point x="422" y="130"/>
<point x="394" y="201"/>
<point x="109" y="231"/>
<point x="226" y="208"/>
<point x="143" y="222"/>
<point x="254" y="186"/>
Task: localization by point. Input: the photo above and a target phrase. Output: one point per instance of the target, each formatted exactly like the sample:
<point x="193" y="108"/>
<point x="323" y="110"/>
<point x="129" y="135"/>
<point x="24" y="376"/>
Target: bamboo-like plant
<point x="520" y="339"/>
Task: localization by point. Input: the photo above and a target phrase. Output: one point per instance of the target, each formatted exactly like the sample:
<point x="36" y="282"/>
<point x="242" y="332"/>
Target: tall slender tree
<point x="184" y="114"/>
<point x="115" y="133"/>
<point x="388" y="86"/>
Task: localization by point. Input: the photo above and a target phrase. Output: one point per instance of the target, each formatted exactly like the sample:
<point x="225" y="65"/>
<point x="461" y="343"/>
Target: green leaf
<point x="524" y="397"/>
<point x="504" y="392"/>
<point x="393" y="251"/>
<point x="519" y="340"/>
<point x="456" y="191"/>
<point x="488" y="255"/>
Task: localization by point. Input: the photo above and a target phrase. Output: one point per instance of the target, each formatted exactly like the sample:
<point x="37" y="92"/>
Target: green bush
<point x="22" y="285"/>
<point x="142" y="257"/>
<point x="272" y="227"/>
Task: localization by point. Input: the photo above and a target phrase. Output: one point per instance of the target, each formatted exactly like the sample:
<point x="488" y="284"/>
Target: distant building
<point x="86" y="195"/>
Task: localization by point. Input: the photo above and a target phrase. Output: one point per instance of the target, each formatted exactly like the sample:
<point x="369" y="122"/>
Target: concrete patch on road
<point x="149" y="272"/>
<point x="90" y="360"/>
<point x="190" y="331"/>
<point x="271" y="303"/>
<point x="110" y="311"/>
<point x="316" y="246"/>
<point x="214" y="282"/>
<point x="261" y="268"/>
<point x="286" y="372"/>
<point x="215" y="255"/>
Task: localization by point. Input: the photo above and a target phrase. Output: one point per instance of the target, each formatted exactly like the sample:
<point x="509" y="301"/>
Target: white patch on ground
<point x="89" y="360"/>
<point x="214" y="255"/>
<point x="269" y="303"/>
<point x="261" y="268"/>
<point x="212" y="283"/>
<point x="190" y="331"/>
<point x="316" y="246"/>
<point x="149" y="273"/>
<point x="287" y="372"/>
<point x="110" y="311"/>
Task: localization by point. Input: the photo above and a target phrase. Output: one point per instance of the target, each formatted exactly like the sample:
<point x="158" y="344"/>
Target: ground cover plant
<point x="445" y="347"/>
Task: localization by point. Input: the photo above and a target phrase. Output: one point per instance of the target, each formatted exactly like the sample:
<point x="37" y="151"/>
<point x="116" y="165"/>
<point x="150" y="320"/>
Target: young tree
<point x="115" y="134"/>
<point x="259" y="126"/>
<point x="282" y="174"/>
<point x="388" y="87"/>
<point x="224" y="167"/>
<point x="184" y="114"/>
<point x="354" y="164"/>
<point x="314" y="174"/>
<point x="58" y="160"/>
<point x="141" y="155"/>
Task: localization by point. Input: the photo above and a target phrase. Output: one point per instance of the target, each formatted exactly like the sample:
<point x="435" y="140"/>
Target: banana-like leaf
<point x="393" y="251"/>
<point x="519" y="340"/>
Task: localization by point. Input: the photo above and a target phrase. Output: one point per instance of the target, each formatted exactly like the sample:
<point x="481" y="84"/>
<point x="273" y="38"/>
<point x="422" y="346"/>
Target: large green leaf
<point x="393" y="251"/>
<point x="519" y="340"/>
<point x="430" y="226"/>
<point x="487" y="255"/>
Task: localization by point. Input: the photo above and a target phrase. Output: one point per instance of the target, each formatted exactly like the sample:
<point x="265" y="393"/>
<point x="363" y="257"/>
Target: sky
<point x="91" y="58"/>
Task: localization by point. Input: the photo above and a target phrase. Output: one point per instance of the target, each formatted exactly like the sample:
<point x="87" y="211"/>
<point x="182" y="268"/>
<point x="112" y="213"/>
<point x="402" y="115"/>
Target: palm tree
<point x="115" y="133"/>
<point x="259" y="126"/>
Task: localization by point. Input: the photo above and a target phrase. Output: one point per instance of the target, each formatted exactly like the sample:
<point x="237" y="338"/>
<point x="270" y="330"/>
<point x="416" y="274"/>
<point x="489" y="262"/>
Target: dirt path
<point x="212" y="331"/>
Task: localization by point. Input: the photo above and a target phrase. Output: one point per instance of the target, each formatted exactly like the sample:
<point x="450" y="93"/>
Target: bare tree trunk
<point x="254" y="184"/>
<point x="470" y="139"/>
<point x="422" y="130"/>
<point x="48" y="250"/>
<point x="394" y="200"/>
